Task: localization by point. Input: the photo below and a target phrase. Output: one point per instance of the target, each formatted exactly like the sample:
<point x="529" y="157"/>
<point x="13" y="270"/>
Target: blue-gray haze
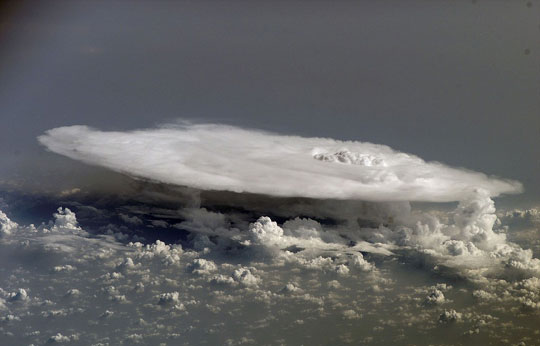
<point x="89" y="256"/>
<point x="456" y="82"/>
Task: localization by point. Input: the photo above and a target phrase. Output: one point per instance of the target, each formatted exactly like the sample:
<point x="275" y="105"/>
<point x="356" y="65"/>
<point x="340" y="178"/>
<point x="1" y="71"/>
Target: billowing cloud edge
<point x="227" y="158"/>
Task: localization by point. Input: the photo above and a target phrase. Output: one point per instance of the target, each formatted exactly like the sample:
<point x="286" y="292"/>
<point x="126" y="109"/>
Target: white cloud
<point x="450" y="316"/>
<point x="169" y="254"/>
<point x="221" y="279"/>
<point x="9" y="318"/>
<point x="73" y="292"/>
<point x="65" y="219"/>
<point x="168" y="298"/>
<point x="267" y="232"/>
<point x="435" y="297"/>
<point x="64" y="268"/>
<point x="201" y="266"/>
<point x="342" y="269"/>
<point x="217" y="157"/>
<point x="359" y="262"/>
<point x="351" y="314"/>
<point x="245" y="277"/>
<point x="59" y="338"/>
<point x="150" y="291"/>
<point x="483" y="295"/>
<point x="291" y="288"/>
<point x="18" y="296"/>
<point x="6" y="225"/>
<point x="106" y="314"/>
<point x="469" y="242"/>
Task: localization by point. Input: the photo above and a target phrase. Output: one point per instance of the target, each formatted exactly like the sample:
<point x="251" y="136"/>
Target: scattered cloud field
<point x="413" y="281"/>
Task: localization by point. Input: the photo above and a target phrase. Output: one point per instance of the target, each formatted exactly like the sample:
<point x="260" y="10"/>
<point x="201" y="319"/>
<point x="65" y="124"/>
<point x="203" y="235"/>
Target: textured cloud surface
<point x="61" y="283"/>
<point x="216" y="157"/>
<point x="249" y="268"/>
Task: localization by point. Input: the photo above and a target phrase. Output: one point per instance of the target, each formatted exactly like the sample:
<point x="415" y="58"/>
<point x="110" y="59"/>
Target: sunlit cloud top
<point x="226" y="158"/>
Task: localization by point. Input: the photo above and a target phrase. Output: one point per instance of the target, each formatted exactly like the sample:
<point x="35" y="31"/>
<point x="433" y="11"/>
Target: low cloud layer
<point x="269" y="282"/>
<point x="217" y="157"/>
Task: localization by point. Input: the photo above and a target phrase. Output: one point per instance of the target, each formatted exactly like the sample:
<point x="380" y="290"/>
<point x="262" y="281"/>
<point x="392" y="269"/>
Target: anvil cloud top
<point x="218" y="157"/>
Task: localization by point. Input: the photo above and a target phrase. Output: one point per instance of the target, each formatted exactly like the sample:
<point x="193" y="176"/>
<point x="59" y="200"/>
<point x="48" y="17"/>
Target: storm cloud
<point x="218" y="157"/>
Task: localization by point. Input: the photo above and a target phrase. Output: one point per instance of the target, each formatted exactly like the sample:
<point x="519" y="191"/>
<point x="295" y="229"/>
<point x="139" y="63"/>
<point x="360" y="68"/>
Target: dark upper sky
<point x="457" y="82"/>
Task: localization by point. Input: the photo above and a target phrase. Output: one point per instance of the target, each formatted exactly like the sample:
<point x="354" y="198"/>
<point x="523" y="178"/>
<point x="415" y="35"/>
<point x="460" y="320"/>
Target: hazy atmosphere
<point x="270" y="173"/>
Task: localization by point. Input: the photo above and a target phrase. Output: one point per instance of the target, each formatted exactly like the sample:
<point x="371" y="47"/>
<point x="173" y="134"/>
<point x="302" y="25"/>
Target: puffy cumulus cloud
<point x="221" y="279"/>
<point x="359" y="262"/>
<point x="435" y="297"/>
<point x="307" y="243"/>
<point x="168" y="254"/>
<point x="351" y="314"/>
<point x="170" y="299"/>
<point x="6" y="225"/>
<point x="266" y="231"/>
<point x="73" y="292"/>
<point x="522" y="227"/>
<point x="524" y="294"/>
<point x="18" y="296"/>
<point x="65" y="219"/>
<point x="342" y="269"/>
<point x="59" y="338"/>
<point x="531" y="215"/>
<point x="290" y="288"/>
<point x="202" y="266"/>
<point x="520" y="219"/>
<point x="469" y="241"/>
<point x="64" y="268"/>
<point x="245" y="277"/>
<point x="474" y="219"/>
<point x="217" y="157"/>
<point x="450" y="316"/>
<point x="102" y="290"/>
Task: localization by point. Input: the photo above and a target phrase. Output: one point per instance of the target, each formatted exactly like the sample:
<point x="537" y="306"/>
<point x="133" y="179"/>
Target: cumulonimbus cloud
<point x="227" y="158"/>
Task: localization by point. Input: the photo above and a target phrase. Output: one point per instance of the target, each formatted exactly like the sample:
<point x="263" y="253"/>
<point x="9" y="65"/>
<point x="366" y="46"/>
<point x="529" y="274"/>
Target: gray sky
<point x="457" y="82"/>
